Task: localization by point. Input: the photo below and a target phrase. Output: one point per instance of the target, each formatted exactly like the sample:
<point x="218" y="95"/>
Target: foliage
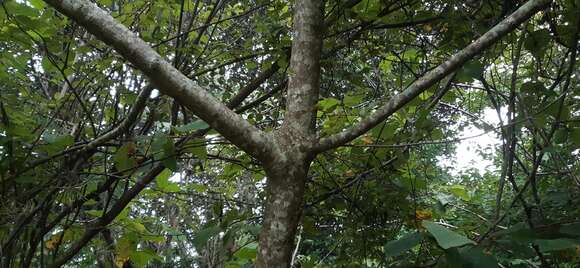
<point x="384" y="200"/>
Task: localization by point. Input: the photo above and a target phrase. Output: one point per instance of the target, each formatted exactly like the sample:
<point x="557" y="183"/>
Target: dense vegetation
<point x="103" y="164"/>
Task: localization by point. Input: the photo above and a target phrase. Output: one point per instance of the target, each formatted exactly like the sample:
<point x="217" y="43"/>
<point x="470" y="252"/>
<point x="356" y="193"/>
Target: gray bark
<point x="288" y="170"/>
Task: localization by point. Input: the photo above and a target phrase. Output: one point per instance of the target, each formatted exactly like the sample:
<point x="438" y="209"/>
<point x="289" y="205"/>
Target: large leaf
<point x="163" y="182"/>
<point x="124" y="158"/>
<point x="397" y="247"/>
<point x="328" y="104"/>
<point x="537" y="42"/>
<point x="460" y="191"/>
<point x="197" y="147"/>
<point x="470" y="71"/>
<point x="556" y="244"/>
<point x="248" y="252"/>
<point x="141" y="258"/>
<point x="126" y="245"/>
<point x="164" y="150"/>
<point x="446" y="238"/>
<point x="478" y="259"/>
<point x="472" y="257"/>
<point x="571" y="229"/>
<point x="575" y="134"/>
<point x="56" y="144"/>
<point x="196" y="125"/>
<point x="200" y="238"/>
<point x="368" y="9"/>
<point x="385" y="131"/>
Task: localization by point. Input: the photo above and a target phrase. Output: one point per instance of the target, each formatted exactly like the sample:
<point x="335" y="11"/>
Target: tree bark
<point x="287" y="171"/>
<point x="285" y="191"/>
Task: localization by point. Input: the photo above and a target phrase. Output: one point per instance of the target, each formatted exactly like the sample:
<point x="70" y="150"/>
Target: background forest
<point x="100" y="168"/>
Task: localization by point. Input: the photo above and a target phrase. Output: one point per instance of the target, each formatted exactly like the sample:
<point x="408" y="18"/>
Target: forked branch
<point x="166" y="78"/>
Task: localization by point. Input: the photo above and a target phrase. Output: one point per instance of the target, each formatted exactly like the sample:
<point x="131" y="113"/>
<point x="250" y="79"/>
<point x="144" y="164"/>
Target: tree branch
<point x="244" y="92"/>
<point x="304" y="75"/>
<point x="126" y="124"/>
<point x="433" y="76"/>
<point x="168" y="79"/>
<point x="108" y="217"/>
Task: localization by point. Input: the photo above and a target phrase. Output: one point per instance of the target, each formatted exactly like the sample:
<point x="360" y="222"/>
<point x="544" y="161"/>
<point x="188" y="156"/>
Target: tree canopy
<point x="304" y="133"/>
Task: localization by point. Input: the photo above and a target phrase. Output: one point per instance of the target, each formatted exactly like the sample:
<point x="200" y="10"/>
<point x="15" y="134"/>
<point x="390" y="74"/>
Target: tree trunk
<point x="283" y="209"/>
<point x="287" y="168"/>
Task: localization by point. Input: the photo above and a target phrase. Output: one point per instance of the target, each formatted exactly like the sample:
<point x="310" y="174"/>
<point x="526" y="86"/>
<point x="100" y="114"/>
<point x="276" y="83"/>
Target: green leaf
<point x="519" y="233"/>
<point x="446" y="238"/>
<point x="164" y="175"/>
<point x="575" y="135"/>
<point x="566" y="32"/>
<point x="164" y="150"/>
<point x="137" y="226"/>
<point x="533" y="88"/>
<point x="196" y="125"/>
<point x="368" y="9"/>
<point x="200" y="238"/>
<point x="556" y="244"/>
<point x="537" y="42"/>
<point x="94" y="213"/>
<point x="124" y="214"/>
<point x="48" y="66"/>
<point x="56" y="144"/>
<point x="460" y="191"/>
<point x="38" y="4"/>
<point x="141" y="258"/>
<point x="164" y="184"/>
<point x="18" y="8"/>
<point x="412" y="183"/>
<point x="571" y="229"/>
<point x="200" y="188"/>
<point x="386" y="66"/>
<point x="27" y="179"/>
<point x="282" y="62"/>
<point x="385" y="131"/>
<point x="561" y="136"/>
<point x="124" y="160"/>
<point x="350" y="101"/>
<point x="248" y="252"/>
<point x="472" y="257"/>
<point x="328" y="104"/>
<point x="197" y="147"/>
<point x="154" y="238"/>
<point x="126" y="245"/>
<point x="478" y="259"/>
<point x="470" y="71"/>
<point x="128" y="98"/>
<point x="397" y="247"/>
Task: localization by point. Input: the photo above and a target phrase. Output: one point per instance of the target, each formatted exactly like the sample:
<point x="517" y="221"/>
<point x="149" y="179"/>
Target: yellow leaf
<point x="367" y="140"/>
<point x="349" y="173"/>
<point x="52" y="242"/>
<point x="423" y="214"/>
<point x="120" y="261"/>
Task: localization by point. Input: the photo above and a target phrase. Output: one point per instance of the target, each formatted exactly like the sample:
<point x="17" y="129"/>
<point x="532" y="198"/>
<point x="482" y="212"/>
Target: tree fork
<point x="288" y="170"/>
<point x="286" y="155"/>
